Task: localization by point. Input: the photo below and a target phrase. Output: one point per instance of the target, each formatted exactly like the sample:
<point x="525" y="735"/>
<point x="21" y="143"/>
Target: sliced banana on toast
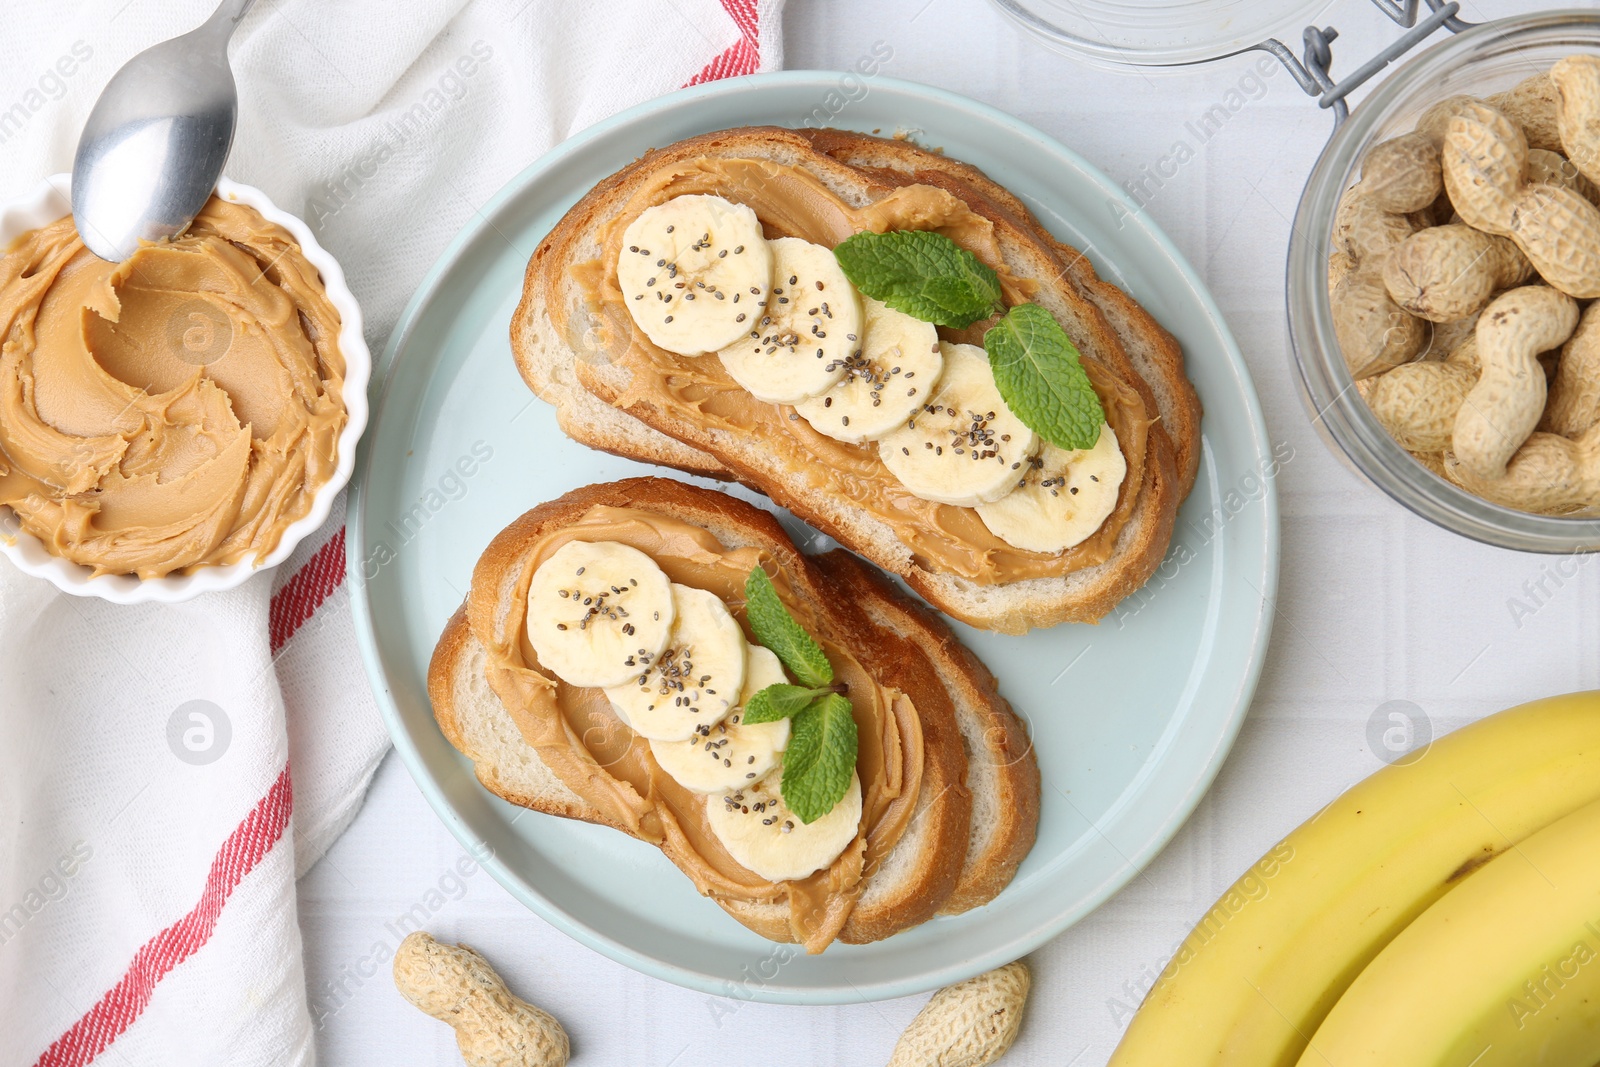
<point x="763" y="835"/>
<point x="1062" y="497"/>
<point x="730" y="754"/>
<point x="964" y="446"/>
<point x="694" y="272"/>
<point x="696" y="678"/>
<point x="596" y="610"/>
<point x="807" y="331"/>
<point x="897" y="368"/>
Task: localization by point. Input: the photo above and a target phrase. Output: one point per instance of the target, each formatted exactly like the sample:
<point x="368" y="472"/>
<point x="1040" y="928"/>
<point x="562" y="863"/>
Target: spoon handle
<point x="227" y="15"/>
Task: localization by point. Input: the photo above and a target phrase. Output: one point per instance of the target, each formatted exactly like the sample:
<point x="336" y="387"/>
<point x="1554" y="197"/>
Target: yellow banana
<point x="1264" y="966"/>
<point x="1504" y="971"/>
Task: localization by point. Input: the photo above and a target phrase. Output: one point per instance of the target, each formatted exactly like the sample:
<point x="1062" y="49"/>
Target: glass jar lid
<point x="1172" y="33"/>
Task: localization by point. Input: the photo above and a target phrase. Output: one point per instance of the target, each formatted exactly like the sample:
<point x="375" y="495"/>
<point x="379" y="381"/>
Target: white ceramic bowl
<point x="50" y="201"/>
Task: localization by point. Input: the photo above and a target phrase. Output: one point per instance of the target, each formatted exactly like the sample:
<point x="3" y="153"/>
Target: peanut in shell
<point x="1417" y="403"/>
<point x="1532" y="104"/>
<point x="1574" y="403"/>
<point x="1485" y="163"/>
<point x="1576" y="81"/>
<point x="1504" y="406"/>
<point x="1446" y="273"/>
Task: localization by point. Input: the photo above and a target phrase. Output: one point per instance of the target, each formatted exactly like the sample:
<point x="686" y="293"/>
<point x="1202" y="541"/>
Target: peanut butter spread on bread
<point x="580" y="738"/>
<point x="792" y="202"/>
<point x="176" y="410"/>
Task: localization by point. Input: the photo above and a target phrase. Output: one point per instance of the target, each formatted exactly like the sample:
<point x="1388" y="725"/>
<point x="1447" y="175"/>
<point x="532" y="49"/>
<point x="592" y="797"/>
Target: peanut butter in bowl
<point x="177" y="411"/>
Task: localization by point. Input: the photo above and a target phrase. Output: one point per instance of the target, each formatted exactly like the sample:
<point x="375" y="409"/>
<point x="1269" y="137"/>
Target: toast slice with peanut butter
<point x="614" y="389"/>
<point x="937" y="741"/>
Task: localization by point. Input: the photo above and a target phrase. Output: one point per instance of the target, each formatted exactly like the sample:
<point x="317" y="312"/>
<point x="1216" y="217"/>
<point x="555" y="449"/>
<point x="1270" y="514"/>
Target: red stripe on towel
<point x="303" y="593"/>
<point x="116" y="1011"/>
<point x="741" y="57"/>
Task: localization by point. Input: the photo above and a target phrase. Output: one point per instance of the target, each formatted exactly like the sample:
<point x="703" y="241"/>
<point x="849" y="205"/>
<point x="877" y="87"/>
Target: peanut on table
<point x="494" y="1028"/>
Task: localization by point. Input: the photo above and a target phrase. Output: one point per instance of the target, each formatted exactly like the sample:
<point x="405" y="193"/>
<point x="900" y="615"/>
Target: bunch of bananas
<point x="1441" y="912"/>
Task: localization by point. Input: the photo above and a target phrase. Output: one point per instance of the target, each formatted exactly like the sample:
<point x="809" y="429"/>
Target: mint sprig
<point x="924" y="274"/>
<point x="776" y="629"/>
<point x="930" y="277"/>
<point x="779" y="701"/>
<point x="820" y="758"/>
<point x="823" y="744"/>
<point x="1037" y="369"/>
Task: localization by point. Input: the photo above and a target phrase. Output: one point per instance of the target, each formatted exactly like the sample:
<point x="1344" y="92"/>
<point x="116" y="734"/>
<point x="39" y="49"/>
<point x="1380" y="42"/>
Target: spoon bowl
<point x="156" y="141"/>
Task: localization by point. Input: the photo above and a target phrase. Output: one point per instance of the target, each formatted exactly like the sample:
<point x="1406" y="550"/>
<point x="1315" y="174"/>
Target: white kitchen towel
<point x="147" y="899"/>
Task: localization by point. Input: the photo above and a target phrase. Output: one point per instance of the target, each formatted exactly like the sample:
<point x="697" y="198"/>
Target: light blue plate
<point x="1131" y="718"/>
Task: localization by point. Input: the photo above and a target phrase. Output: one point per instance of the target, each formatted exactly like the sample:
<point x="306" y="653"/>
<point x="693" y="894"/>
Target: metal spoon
<point x="155" y="143"/>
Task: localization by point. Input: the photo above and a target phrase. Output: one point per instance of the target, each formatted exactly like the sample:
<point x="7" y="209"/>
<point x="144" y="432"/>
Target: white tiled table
<point x="1375" y="605"/>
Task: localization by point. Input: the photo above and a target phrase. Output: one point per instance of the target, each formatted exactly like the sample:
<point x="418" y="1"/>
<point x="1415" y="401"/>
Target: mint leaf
<point x="823" y="743"/>
<point x="1036" y="367"/>
<point x="922" y="273"/>
<point x="778" y="701"/>
<point x="820" y="758"/>
<point x="776" y="629"/>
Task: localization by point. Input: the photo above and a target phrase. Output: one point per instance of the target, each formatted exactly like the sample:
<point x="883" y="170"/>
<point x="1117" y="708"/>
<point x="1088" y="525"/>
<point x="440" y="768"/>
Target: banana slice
<point x="964" y="446"/>
<point x="694" y="271"/>
<point x="729" y="755"/>
<point x="1062" y="497"/>
<point x="596" y="610"/>
<point x="807" y="332"/>
<point x="763" y="835"/>
<point x="898" y="367"/>
<point x="696" y="678"/>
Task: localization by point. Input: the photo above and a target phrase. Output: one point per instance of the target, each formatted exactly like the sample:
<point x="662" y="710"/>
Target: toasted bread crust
<point x="657" y="436"/>
<point x="929" y="870"/>
<point x="452" y="657"/>
<point x="545" y="360"/>
<point x="944" y="802"/>
<point x="998" y="746"/>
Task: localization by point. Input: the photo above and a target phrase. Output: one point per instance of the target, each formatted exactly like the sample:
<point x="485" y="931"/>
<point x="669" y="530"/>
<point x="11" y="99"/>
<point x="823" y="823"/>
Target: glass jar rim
<point x="1199" y="48"/>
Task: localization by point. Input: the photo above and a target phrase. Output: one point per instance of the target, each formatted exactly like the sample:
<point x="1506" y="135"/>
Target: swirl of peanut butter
<point x="177" y="410"/>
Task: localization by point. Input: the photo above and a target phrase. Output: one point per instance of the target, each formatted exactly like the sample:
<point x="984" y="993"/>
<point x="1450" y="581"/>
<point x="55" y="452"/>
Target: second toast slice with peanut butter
<point x="974" y="752"/>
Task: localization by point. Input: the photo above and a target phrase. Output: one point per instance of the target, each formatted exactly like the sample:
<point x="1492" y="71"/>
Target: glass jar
<point x="1117" y="33"/>
<point x="1483" y="60"/>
